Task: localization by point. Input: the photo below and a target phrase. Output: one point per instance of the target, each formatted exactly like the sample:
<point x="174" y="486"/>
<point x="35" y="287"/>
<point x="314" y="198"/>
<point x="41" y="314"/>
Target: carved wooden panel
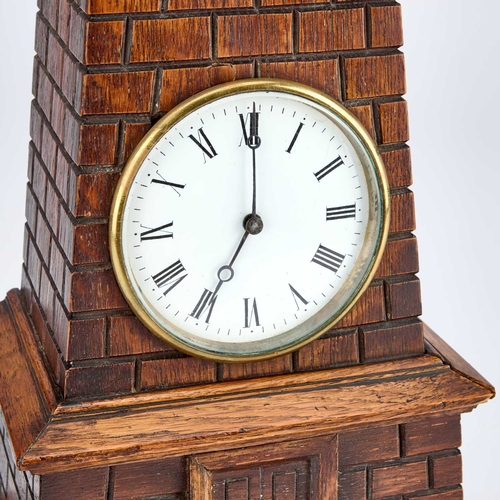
<point x="297" y="470"/>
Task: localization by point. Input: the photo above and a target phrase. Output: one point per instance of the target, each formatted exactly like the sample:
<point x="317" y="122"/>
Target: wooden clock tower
<point x="96" y="407"/>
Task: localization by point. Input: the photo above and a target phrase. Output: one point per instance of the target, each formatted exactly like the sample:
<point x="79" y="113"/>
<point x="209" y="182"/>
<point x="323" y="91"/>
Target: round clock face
<point x="249" y="220"/>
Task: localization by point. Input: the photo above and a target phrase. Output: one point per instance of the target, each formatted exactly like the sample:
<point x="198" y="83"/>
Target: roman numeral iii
<point x="327" y="258"/>
<point x="328" y="169"/>
<point x="203" y="143"/>
<point x="344" y="212"/>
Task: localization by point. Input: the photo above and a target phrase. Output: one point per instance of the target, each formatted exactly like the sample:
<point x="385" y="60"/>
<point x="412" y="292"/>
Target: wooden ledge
<point x="435" y="345"/>
<point x="214" y="417"/>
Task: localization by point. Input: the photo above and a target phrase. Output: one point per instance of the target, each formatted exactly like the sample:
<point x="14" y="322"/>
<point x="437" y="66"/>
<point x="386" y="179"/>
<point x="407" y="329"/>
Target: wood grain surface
<point x="92" y="401"/>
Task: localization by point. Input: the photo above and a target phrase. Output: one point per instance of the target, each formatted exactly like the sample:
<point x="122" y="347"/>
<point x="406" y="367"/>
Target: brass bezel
<point x="171" y="119"/>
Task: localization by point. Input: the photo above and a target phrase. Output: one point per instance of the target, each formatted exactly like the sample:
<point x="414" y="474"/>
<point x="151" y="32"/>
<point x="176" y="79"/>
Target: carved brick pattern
<point x="14" y="484"/>
<point x="154" y="54"/>
<point x="332" y="30"/>
<point x="386" y="24"/>
<point x="373" y="463"/>
<point x="119" y="6"/>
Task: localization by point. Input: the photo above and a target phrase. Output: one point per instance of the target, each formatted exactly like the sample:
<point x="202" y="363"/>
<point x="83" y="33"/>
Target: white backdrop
<point x="451" y="49"/>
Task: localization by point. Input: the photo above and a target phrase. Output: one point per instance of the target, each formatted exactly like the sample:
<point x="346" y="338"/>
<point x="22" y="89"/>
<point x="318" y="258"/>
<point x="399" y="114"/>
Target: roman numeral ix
<point x="157" y="233"/>
<point x="327" y="258"/>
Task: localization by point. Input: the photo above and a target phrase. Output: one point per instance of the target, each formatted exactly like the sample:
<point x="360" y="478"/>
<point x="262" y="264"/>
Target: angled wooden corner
<point x="437" y="346"/>
<point x="50" y="435"/>
<point x="28" y="398"/>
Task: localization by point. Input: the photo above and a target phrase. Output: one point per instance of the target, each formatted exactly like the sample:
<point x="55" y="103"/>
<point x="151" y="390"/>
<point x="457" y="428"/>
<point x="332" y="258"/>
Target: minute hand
<point x="252" y="222"/>
<point x="253" y="143"/>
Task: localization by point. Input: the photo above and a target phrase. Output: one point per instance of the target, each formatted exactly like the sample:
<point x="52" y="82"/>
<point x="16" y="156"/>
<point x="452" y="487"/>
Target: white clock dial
<point x="248" y="221"/>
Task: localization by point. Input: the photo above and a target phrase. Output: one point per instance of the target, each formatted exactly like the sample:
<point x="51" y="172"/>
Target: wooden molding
<point x="209" y="418"/>
<point x="437" y="346"/>
<point x="26" y="393"/>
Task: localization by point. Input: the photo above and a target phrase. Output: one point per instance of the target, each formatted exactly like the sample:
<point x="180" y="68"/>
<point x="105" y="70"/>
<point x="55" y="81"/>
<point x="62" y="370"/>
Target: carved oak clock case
<point x="104" y="394"/>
